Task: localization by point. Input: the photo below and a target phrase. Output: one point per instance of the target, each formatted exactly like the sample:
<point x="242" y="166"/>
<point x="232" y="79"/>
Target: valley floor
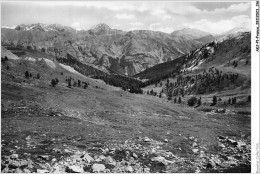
<point x="61" y="129"/>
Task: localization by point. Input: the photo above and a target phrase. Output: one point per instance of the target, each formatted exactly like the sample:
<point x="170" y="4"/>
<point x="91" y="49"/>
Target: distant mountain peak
<point x="42" y="27"/>
<point x="101" y="25"/>
<point x="194" y="33"/>
<point x="101" y="28"/>
<point x="236" y="30"/>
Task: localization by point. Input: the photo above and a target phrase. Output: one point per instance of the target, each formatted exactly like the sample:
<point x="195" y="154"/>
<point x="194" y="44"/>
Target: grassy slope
<point x="97" y="115"/>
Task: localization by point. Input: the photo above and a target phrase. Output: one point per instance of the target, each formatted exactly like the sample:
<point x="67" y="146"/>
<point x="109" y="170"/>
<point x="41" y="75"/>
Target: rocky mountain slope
<point x="236" y="47"/>
<point x="118" y="51"/>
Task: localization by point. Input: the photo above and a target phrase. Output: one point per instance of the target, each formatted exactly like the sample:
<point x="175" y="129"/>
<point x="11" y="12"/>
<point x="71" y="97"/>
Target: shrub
<point x="69" y="83"/>
<point x="199" y="101"/>
<point x="38" y="76"/>
<point x="53" y="82"/>
<point x="179" y="101"/>
<point x="214" y="100"/>
<point x="192" y="101"/>
<point x="85" y="86"/>
<point x="26" y="74"/>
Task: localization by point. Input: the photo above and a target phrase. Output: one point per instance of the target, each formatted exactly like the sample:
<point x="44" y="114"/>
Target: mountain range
<point x="116" y="51"/>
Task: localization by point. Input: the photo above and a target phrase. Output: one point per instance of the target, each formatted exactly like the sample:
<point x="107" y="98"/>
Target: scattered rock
<point x="14" y="156"/>
<point x="221" y="145"/>
<point x="194" y="144"/>
<point x="14" y="165"/>
<point x="74" y="169"/>
<point x="109" y="160"/>
<point x="221" y="137"/>
<point x="28" y="138"/>
<point x="98" y="167"/>
<point x="146" y="139"/>
<point x="233" y="142"/>
<point x="191" y="138"/>
<point x="146" y="170"/>
<point x="195" y="150"/>
<point x="135" y="156"/>
<point x="42" y="171"/>
<point x="129" y="169"/>
<point x="166" y="141"/>
<point x="241" y="144"/>
<point x="18" y="170"/>
<point x="102" y="157"/>
<point x="26" y="170"/>
<point x="23" y="163"/>
<point x="162" y="160"/>
<point x="86" y="157"/>
<point x="44" y="157"/>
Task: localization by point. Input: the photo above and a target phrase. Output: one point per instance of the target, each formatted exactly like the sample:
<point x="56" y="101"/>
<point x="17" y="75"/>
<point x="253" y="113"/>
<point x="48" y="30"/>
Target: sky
<point x="165" y="16"/>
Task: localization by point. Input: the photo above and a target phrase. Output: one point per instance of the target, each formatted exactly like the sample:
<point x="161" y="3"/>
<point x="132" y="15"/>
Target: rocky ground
<point x="39" y="150"/>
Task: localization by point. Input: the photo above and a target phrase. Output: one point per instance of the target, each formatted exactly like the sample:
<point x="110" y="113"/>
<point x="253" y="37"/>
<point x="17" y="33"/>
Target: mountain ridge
<point x="120" y="52"/>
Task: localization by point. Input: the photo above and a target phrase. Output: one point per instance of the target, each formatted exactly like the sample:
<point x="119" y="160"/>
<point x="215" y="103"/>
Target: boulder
<point x="233" y="142"/>
<point x="135" y="156"/>
<point x="146" y="139"/>
<point x="98" y="167"/>
<point x="129" y="169"/>
<point x="221" y="137"/>
<point x="42" y="171"/>
<point x="74" y="169"/>
<point x="162" y="160"/>
<point x="241" y="144"/>
<point x="23" y="163"/>
<point x="14" y="165"/>
<point x="102" y="157"/>
<point x="86" y="157"/>
<point x="109" y="160"/>
<point x="14" y="156"/>
<point x="195" y="150"/>
<point x="221" y="145"/>
<point x="194" y="144"/>
<point x="146" y="170"/>
<point x="26" y="170"/>
<point x="44" y="157"/>
<point x="18" y="170"/>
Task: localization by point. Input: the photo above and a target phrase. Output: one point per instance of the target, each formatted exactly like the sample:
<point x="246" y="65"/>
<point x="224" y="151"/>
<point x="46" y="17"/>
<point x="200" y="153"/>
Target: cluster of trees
<point x="76" y="83"/>
<point x="153" y="93"/>
<point x="27" y="74"/>
<point x="80" y="67"/>
<point x="208" y="81"/>
<point x="193" y="100"/>
<point x="175" y="100"/>
<point x="3" y="60"/>
<point x="126" y="83"/>
<point x="232" y="101"/>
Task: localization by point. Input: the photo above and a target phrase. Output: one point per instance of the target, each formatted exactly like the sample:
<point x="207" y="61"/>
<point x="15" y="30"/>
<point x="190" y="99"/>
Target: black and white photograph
<point x="129" y="87"/>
